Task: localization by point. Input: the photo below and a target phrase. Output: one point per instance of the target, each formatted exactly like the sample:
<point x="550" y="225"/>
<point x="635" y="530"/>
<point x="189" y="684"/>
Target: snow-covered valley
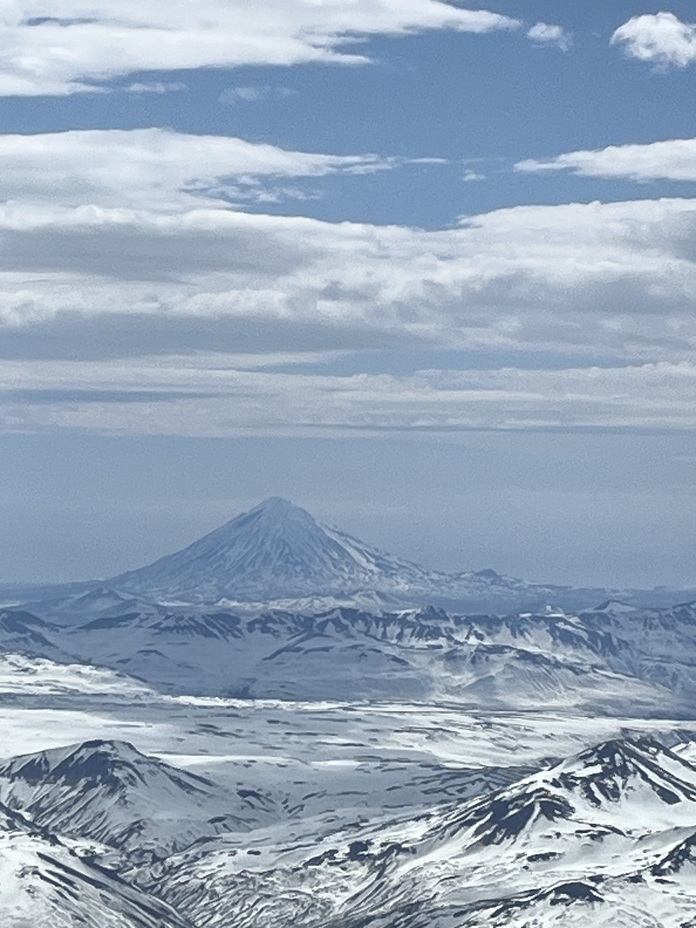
<point x="262" y="812"/>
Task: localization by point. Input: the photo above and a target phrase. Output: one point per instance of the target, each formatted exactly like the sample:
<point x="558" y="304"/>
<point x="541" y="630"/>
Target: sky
<point x="427" y="269"/>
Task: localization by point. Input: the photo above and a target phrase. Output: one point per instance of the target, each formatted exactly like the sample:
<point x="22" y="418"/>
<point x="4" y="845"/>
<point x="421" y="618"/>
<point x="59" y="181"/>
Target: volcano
<point x="276" y="550"/>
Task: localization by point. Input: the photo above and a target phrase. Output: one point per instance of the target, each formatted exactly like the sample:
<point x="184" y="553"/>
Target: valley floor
<point x="262" y="813"/>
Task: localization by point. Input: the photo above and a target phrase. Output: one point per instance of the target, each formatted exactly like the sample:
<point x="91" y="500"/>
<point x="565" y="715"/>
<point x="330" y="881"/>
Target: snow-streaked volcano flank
<point x="275" y="550"/>
<point x="279" y="552"/>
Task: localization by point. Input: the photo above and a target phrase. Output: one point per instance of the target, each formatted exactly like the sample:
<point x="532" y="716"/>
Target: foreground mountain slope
<point x="44" y="884"/>
<point x="109" y="792"/>
<point x="379" y="814"/>
<point x="596" y="837"/>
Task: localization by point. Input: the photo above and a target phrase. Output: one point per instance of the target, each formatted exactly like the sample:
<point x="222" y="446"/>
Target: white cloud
<point x="674" y="159"/>
<point x="210" y="395"/>
<point x="616" y="279"/>
<point x="254" y="93"/>
<point x="157" y="87"/>
<point x="107" y="249"/>
<point x="94" y="42"/>
<point x="548" y="34"/>
<point x="154" y="168"/>
<point x="661" y="39"/>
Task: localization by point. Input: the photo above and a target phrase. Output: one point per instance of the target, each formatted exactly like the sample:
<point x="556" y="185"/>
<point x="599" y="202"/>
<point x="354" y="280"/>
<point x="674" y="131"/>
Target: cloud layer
<point x="50" y="51"/>
<point x="134" y="297"/>
<point x="207" y="396"/>
<point x="553" y="278"/>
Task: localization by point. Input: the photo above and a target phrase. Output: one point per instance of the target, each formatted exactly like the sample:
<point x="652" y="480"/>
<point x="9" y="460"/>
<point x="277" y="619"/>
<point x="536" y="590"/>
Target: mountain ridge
<point x="600" y="660"/>
<point x="108" y="791"/>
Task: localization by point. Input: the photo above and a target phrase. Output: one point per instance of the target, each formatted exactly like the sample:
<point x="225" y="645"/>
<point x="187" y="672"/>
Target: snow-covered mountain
<point x="277" y="554"/>
<point x="611" y="660"/>
<point x="262" y="814"/>
<point x="423" y="654"/>
<point x="603" y="838"/>
<point x="337" y="749"/>
<point x="275" y="550"/>
<point x="110" y="793"/>
<point x="48" y="884"/>
<point x="97" y="601"/>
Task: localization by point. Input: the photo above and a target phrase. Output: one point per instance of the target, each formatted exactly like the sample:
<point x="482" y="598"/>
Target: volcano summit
<point x="277" y="550"/>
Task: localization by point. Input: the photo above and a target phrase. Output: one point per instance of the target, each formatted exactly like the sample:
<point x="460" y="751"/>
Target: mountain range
<point x="606" y="836"/>
<point x="275" y="605"/>
<point x="611" y="659"/>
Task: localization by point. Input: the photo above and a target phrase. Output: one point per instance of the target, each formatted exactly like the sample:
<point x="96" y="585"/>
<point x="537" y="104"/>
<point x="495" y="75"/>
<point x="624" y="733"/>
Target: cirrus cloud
<point x="254" y="93"/>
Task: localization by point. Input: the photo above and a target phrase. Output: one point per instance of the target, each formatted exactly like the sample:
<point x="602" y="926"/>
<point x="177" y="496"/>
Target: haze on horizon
<point x="481" y="507"/>
<point x="424" y="269"/>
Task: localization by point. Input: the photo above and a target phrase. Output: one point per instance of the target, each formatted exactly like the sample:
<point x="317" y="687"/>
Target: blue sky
<point x="425" y="268"/>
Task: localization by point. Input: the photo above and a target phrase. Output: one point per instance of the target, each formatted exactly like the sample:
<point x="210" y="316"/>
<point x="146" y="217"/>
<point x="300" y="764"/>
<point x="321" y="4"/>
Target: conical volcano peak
<point x="277" y="506"/>
<point x="274" y="518"/>
<point x="277" y="509"/>
<point x="275" y="550"/>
